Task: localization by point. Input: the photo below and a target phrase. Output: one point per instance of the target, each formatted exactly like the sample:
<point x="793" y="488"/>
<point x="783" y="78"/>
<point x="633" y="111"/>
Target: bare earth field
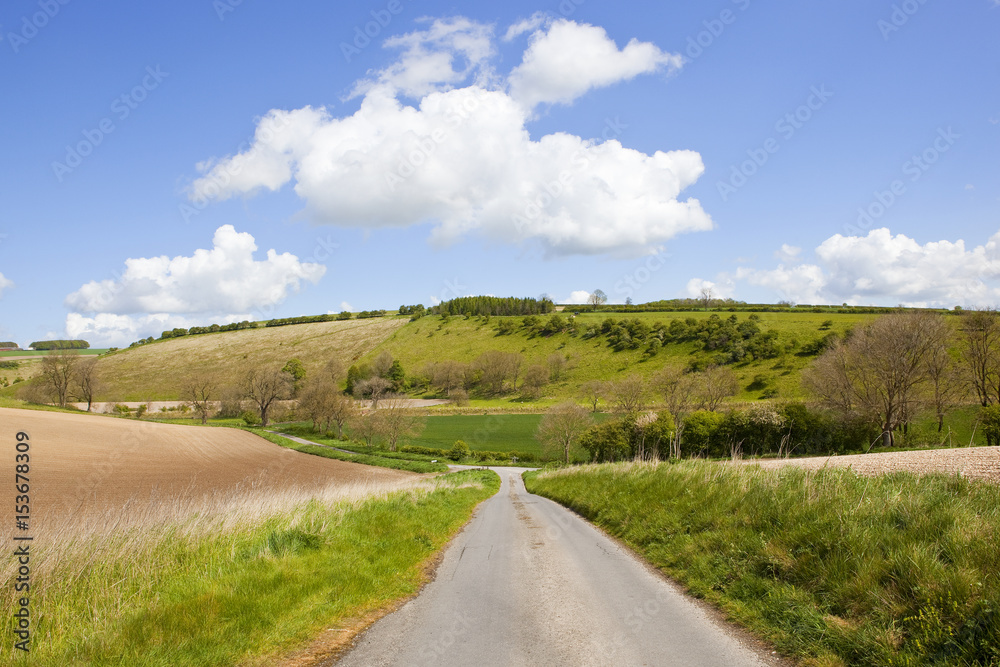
<point x="971" y="462"/>
<point x="85" y="465"/>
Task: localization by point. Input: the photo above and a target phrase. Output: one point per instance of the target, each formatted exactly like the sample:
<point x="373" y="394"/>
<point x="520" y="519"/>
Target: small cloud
<point x="524" y="25"/>
<point x="788" y="253"/>
<point x="435" y="301"/>
<point x="578" y="297"/>
<point x="346" y="306"/>
<point x="4" y="284"/>
<point x="970" y="186"/>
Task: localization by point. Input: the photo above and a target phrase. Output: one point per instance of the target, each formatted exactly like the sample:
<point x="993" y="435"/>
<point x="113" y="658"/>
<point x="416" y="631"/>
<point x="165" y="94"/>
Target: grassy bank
<point x="366" y="459"/>
<point x="831" y="568"/>
<point x="237" y="581"/>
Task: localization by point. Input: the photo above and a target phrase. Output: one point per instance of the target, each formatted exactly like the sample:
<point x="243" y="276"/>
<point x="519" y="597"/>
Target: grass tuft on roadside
<point x="242" y="580"/>
<point x="832" y="568"/>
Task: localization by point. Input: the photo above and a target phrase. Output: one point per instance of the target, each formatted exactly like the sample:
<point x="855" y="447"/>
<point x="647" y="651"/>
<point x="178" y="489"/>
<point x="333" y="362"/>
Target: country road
<point x="528" y="583"/>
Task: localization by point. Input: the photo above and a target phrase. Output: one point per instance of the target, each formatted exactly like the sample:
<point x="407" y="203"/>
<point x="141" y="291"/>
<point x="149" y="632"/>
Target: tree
<point x="58" y="370"/>
<point x="878" y="371"/>
<point x="597" y="299"/>
<point x="593" y="392"/>
<point x="87" y="381"/>
<point x="199" y="394"/>
<point x="981" y="352"/>
<point x="536" y="377"/>
<point x="264" y="386"/>
<point x="368" y="426"/>
<point x="383" y="364"/>
<point x="705" y="296"/>
<point x="399" y="421"/>
<point x="372" y="388"/>
<point x="716" y="384"/>
<point x="627" y="394"/>
<point x="447" y="376"/>
<point x="495" y="368"/>
<point x="562" y="426"/>
<point x="557" y="363"/>
<point x="947" y="384"/>
<point x="297" y="370"/>
<point x="677" y="389"/>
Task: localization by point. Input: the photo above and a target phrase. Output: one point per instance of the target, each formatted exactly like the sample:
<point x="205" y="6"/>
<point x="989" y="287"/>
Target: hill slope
<point x="158" y="371"/>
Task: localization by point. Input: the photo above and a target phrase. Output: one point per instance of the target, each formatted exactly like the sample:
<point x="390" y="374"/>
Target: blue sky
<point x="156" y="154"/>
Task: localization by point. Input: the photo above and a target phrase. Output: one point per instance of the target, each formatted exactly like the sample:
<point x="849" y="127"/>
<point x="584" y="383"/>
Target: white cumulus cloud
<point x="883" y="269"/>
<point x="577" y="297"/>
<point x="463" y="160"/>
<point x="223" y="284"/>
<point x="5" y="283"/>
<point x="572" y="58"/>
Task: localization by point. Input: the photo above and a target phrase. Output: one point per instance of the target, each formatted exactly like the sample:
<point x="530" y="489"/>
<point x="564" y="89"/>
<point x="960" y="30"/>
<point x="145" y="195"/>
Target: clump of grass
<point x="831" y="567"/>
<point x="231" y="579"/>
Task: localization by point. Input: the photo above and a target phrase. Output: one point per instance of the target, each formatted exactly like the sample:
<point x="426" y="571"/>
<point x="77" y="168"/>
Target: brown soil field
<point x="88" y="465"/>
<point x="972" y="462"/>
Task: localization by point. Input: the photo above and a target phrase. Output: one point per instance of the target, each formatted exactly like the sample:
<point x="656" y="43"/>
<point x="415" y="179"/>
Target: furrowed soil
<point x="971" y="462"/>
<point x="86" y="465"/>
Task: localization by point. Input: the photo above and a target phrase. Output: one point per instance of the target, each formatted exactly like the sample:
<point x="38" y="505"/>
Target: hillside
<point x="159" y="370"/>
<point x="432" y="339"/>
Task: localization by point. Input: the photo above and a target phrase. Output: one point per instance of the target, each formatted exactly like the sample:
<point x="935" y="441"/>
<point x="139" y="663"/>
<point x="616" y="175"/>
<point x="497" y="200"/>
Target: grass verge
<point x="366" y="459"/>
<point x="243" y="581"/>
<point x="830" y="567"/>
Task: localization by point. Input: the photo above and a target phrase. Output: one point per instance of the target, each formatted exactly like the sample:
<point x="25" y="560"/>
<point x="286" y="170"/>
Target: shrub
<point x="458" y="451"/>
<point x="250" y="418"/>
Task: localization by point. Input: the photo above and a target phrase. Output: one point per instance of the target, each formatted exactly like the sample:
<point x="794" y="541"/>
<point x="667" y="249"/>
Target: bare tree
<point x="562" y="426"/>
<point x="373" y="388"/>
<point x="200" y="393"/>
<point x="677" y="389"/>
<point x="716" y="384"/>
<point x="981" y="352"/>
<point x="596" y="299"/>
<point x="947" y="385"/>
<point x="536" y="377"/>
<point x="87" y="381"/>
<point x="399" y="421"/>
<point x="557" y="363"/>
<point x="58" y="370"/>
<point x="495" y="368"/>
<point x="264" y="386"/>
<point x="706" y="297"/>
<point x="628" y="393"/>
<point x="878" y="371"/>
<point x="383" y="363"/>
<point x="447" y="376"/>
<point x="368" y="426"/>
<point x="593" y="392"/>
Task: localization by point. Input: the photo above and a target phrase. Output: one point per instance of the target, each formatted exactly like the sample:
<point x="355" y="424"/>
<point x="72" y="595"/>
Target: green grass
<point x="408" y="464"/>
<point x="496" y="433"/>
<point x="831" y="568"/>
<point x="247" y="593"/>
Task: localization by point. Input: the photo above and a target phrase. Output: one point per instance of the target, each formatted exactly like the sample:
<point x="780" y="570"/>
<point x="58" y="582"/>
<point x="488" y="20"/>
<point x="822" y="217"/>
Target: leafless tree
<point x="706" y="297"/>
<point x="593" y="392"/>
<point x="383" y="363"/>
<point x="627" y="394"/>
<point x="677" y="389"/>
<point x="399" y="421"/>
<point x="557" y="363"/>
<point x="495" y="368"/>
<point x="447" y="376"/>
<point x="596" y="299"/>
<point x="877" y="373"/>
<point x="947" y="386"/>
<point x="373" y="388"/>
<point x="368" y="426"/>
<point x="562" y="426"/>
<point x="716" y="384"/>
<point x="87" y="381"/>
<point x="981" y="352"/>
<point x="58" y="370"/>
<point x="536" y="377"/>
<point x="263" y="386"/>
<point x="199" y="394"/>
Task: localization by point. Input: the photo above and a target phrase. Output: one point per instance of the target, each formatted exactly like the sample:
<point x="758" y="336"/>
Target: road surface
<point x="528" y="583"/>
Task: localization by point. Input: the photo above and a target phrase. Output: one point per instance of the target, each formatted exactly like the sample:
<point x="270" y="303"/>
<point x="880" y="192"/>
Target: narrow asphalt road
<point x="528" y="583"/>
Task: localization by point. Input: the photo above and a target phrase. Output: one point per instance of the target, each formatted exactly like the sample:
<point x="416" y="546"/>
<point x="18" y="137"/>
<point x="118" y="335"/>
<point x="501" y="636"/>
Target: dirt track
<point x="87" y="463"/>
<point x="971" y="462"/>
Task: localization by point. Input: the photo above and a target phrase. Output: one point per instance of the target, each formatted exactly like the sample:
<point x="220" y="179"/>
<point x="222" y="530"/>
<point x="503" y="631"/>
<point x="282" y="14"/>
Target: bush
<point x="701" y="433"/>
<point x="458" y="451"/>
<point x="250" y="418"/>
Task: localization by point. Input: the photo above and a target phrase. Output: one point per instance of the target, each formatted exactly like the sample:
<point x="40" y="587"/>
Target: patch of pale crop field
<point x="160" y="370"/>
